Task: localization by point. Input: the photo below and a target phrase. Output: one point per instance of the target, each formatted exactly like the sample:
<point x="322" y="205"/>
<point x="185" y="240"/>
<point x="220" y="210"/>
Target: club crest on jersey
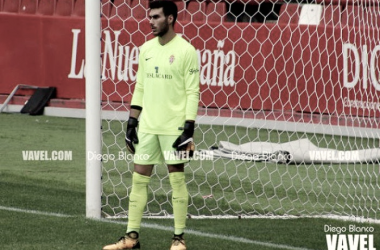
<point x="171" y="59"/>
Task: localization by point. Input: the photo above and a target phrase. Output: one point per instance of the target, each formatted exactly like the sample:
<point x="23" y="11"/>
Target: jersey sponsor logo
<point x="146" y="59"/>
<point x="159" y="76"/>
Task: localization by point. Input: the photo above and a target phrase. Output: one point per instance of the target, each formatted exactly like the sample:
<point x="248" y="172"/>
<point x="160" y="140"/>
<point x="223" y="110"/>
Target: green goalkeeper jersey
<point x="167" y="86"/>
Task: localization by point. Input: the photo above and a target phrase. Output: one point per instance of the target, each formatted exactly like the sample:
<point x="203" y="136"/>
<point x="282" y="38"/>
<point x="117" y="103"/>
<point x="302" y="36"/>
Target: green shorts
<point x="155" y="149"/>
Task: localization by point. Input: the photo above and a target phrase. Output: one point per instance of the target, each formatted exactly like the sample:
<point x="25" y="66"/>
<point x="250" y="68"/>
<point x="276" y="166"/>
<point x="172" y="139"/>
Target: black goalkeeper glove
<point x="131" y="134"/>
<point x="185" y="141"/>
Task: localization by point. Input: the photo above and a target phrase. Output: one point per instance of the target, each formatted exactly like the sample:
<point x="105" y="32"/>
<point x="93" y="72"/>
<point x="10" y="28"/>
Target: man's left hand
<point x="185" y="141"/>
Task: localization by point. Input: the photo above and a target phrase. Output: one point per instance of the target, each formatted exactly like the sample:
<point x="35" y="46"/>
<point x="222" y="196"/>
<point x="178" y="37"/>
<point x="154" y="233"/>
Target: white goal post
<point x="295" y="79"/>
<point x="93" y="108"/>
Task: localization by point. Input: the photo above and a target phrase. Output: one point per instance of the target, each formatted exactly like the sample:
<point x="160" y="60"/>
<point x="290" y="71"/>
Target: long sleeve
<point x="137" y="98"/>
<point x="192" y="84"/>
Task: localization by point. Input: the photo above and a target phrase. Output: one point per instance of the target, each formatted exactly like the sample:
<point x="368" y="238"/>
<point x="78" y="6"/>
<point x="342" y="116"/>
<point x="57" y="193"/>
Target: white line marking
<point x="12" y="209"/>
<point x="165" y="228"/>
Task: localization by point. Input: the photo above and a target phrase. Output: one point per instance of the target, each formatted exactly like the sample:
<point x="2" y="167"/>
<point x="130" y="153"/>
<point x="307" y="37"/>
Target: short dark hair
<point x="168" y="7"/>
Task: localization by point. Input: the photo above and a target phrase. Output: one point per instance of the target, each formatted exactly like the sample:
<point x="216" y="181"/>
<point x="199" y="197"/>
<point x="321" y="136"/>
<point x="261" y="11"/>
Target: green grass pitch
<point x="42" y="202"/>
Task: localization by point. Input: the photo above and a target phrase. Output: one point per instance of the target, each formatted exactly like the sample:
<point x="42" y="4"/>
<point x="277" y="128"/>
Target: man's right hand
<point x="131" y="134"/>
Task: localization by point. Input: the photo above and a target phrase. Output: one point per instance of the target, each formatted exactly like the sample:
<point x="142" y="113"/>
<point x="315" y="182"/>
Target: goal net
<point x="288" y="113"/>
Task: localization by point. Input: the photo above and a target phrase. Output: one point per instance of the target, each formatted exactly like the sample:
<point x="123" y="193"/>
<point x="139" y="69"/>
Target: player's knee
<point x="144" y="170"/>
<point x="176" y="168"/>
<point x="139" y="179"/>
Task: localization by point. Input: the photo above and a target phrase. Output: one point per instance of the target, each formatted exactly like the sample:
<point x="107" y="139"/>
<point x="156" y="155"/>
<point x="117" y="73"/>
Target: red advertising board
<point x="246" y="66"/>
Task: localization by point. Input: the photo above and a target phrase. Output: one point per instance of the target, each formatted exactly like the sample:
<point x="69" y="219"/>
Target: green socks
<point x="137" y="201"/>
<point x="180" y="200"/>
<point x="139" y="197"/>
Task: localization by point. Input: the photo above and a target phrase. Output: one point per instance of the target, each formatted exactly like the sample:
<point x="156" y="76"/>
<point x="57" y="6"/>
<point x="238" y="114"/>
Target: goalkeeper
<point x="163" y="107"/>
